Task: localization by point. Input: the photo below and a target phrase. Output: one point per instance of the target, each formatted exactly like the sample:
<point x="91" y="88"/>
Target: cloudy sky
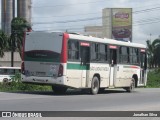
<point x="73" y="15"/>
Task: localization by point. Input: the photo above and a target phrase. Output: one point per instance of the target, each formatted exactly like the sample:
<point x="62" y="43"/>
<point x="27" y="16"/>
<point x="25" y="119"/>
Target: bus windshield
<point x="43" y="47"/>
<point x="6" y="73"/>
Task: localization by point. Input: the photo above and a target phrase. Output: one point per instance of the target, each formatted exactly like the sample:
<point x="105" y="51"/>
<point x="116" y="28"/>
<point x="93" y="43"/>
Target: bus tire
<point x="59" y="89"/>
<point x="5" y="80"/>
<point x="95" y="85"/>
<point x="132" y="86"/>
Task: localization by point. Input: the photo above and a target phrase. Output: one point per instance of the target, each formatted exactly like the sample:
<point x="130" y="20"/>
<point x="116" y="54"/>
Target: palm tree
<point x="3" y="43"/>
<point x="156" y="44"/>
<point x="19" y="27"/>
<point x="150" y="52"/>
<point x="153" y="53"/>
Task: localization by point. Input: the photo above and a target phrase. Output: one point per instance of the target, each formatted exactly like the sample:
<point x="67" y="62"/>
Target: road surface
<point x="143" y="99"/>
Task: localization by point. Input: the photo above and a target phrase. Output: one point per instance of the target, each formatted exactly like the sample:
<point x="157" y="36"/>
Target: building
<point x="95" y="31"/>
<point x="6" y="60"/>
<point x="116" y="24"/>
<point x="6" y="15"/>
<point x="8" y="12"/>
<point x="24" y="9"/>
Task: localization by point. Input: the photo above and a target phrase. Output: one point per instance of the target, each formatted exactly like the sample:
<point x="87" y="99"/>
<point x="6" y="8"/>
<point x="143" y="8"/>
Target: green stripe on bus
<point x="41" y="59"/>
<point x="75" y="66"/>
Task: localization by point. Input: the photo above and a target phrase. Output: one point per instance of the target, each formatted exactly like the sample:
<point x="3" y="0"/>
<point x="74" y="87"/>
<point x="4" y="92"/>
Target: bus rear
<point x="43" y="58"/>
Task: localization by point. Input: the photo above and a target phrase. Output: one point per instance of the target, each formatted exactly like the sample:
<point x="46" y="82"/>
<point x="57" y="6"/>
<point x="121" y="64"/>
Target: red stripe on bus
<point x="64" y="48"/>
<point x="134" y="67"/>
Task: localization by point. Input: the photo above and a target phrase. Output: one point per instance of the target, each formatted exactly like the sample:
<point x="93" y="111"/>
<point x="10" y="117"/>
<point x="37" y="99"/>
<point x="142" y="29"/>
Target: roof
<point x="105" y="40"/>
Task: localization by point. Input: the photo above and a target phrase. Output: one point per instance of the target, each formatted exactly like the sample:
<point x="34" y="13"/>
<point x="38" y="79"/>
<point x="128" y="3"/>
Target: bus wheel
<point x="95" y="85"/>
<point x="59" y="89"/>
<point x="132" y="86"/>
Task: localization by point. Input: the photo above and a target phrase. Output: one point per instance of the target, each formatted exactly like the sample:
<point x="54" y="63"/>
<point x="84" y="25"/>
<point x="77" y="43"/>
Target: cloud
<point x="64" y="10"/>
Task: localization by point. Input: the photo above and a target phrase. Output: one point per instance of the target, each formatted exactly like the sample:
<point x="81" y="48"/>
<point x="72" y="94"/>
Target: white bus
<point x="66" y="60"/>
<point x="7" y="73"/>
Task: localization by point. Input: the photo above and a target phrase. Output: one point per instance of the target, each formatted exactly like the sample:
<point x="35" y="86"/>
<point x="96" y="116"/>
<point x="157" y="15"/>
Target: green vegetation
<point x="153" y="49"/>
<point x="17" y="85"/>
<point x="154" y="79"/>
<point x="3" y="43"/>
<point x="19" y="26"/>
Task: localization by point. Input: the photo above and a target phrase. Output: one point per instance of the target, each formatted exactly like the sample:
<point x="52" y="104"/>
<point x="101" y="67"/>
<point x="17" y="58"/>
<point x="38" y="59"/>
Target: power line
<point x="66" y="15"/>
<point x="68" y="21"/>
<point x="107" y="26"/>
<point x="135" y="12"/>
<point x="147" y="10"/>
<point x="94" y="18"/>
<point x="142" y="21"/>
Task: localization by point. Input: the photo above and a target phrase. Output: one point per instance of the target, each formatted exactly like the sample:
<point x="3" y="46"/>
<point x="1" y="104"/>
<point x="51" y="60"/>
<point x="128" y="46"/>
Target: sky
<point x="58" y="15"/>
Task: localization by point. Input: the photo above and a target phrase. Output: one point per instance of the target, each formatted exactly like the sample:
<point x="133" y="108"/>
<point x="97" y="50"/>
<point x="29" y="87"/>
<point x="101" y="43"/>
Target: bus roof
<point x="105" y="40"/>
<point x="94" y="39"/>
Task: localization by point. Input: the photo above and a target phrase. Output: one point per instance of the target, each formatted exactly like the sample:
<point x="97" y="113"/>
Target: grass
<point x="17" y="85"/>
<point x="154" y="79"/>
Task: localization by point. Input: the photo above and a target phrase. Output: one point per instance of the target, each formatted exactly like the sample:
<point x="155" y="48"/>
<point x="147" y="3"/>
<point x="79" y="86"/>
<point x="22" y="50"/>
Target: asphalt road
<point x="143" y="99"/>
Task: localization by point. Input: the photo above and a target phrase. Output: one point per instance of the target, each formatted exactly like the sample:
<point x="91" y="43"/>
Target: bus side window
<point x="73" y="50"/>
<point x="85" y="55"/>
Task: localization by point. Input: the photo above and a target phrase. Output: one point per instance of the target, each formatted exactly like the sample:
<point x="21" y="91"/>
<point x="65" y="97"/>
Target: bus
<point x="7" y="73"/>
<point x="68" y="60"/>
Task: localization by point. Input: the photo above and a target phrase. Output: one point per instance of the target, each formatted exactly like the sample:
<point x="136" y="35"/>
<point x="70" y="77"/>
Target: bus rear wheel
<point x="95" y="85"/>
<point x="59" y="89"/>
<point x="131" y="87"/>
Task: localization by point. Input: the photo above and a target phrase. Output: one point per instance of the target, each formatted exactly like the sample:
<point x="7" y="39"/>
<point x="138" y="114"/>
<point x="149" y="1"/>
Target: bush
<point x="154" y="79"/>
<point x="17" y="85"/>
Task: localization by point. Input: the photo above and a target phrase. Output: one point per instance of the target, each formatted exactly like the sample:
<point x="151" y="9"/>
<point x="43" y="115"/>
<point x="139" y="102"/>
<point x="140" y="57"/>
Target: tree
<point x="19" y="26"/>
<point x="3" y="43"/>
<point x="153" y="53"/>
<point x="156" y="44"/>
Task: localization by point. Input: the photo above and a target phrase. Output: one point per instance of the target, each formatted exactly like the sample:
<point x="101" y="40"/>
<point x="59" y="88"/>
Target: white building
<point x="6" y="60"/>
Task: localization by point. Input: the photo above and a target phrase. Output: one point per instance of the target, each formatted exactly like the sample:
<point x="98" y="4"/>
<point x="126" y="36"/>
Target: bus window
<point x="73" y="50"/>
<point x="94" y="52"/>
<point x="6" y="73"/>
<point x="123" y="54"/>
<point x="10" y="71"/>
<point x="103" y="52"/>
<point x="85" y="56"/>
<point x="113" y="56"/>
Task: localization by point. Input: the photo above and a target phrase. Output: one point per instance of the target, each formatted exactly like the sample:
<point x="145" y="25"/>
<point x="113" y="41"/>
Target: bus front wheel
<point x="95" y="85"/>
<point x="59" y="89"/>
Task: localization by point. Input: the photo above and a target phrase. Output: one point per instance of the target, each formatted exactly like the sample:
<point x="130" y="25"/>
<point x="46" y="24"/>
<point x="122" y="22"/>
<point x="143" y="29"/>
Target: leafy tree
<point x="156" y="44"/>
<point x="19" y="26"/>
<point x="3" y="43"/>
<point x="153" y="53"/>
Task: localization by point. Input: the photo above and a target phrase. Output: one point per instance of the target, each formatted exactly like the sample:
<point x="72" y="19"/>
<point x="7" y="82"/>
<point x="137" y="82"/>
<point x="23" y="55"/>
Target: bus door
<point x="85" y="63"/>
<point x="143" y="64"/>
<point x="113" y="64"/>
